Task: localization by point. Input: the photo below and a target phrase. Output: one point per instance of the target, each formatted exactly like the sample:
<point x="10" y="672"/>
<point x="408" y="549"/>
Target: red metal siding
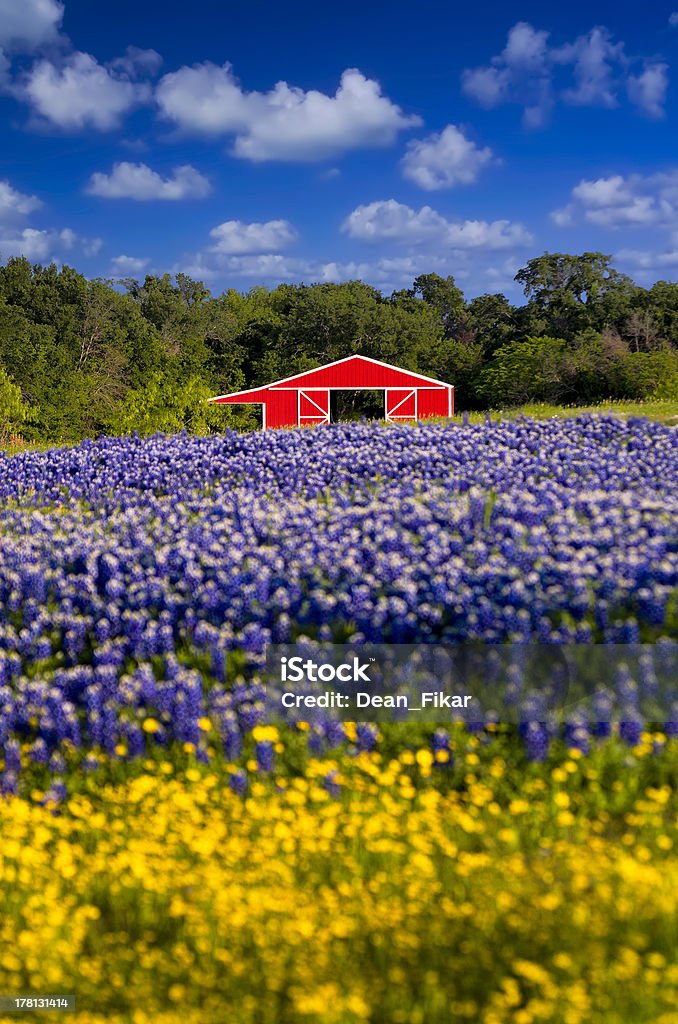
<point x="281" y="409"/>
<point x="434" y="403"/>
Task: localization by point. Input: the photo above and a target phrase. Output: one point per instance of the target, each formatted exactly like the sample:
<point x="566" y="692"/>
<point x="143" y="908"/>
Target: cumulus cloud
<point x="388" y="220"/>
<point x="386" y="273"/>
<point x="285" y="123"/>
<point x="645" y="260"/>
<point x="597" y="70"/>
<point x="137" y="61"/>
<point x="26" y="25"/>
<point x="126" y="266"/>
<point x="37" y="244"/>
<point x="648" y="89"/>
<point x="445" y="159"/>
<point x="233" y="237"/>
<point x="619" y="201"/>
<point x="210" y="266"/>
<point x="593" y="58"/>
<point x="138" y="181"/>
<point x="15" y="204"/>
<point x="80" y="93"/>
<point x="673" y="19"/>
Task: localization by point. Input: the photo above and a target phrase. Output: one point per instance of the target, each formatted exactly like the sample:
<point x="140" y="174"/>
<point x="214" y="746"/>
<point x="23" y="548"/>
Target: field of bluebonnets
<point x="168" y="855"/>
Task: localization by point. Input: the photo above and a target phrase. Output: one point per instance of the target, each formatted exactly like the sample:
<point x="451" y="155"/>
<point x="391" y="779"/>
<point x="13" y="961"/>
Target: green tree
<point x="442" y="295"/>
<point x="645" y="374"/>
<point x="662" y="302"/>
<point x="491" y="319"/>
<point x="167" y="406"/>
<point x="532" y="370"/>
<point x="13" y="410"/>
<point x="569" y="293"/>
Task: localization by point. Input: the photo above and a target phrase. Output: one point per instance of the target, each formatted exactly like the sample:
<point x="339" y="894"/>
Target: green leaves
<point x="13" y="410"/>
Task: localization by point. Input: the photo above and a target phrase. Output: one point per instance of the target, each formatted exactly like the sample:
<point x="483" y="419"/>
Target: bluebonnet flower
<point x="147" y="580"/>
<point x="331" y="785"/>
<point x="536" y="739"/>
<point x="238" y="782"/>
<point x="366" y="736"/>
<point x="265" y="755"/>
<point x="630" y="730"/>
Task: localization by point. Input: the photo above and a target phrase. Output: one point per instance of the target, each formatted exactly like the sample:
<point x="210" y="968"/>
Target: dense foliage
<point x="92" y="357"/>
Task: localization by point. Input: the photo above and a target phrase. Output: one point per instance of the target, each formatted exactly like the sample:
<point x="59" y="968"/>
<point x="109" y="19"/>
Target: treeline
<point x="79" y="358"/>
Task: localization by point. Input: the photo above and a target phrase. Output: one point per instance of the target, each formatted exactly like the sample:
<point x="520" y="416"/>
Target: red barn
<point x="304" y="399"/>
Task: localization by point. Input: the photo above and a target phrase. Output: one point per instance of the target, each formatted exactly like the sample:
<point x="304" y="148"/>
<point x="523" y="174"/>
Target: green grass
<point x="663" y="411"/>
<point x="31" y="446"/>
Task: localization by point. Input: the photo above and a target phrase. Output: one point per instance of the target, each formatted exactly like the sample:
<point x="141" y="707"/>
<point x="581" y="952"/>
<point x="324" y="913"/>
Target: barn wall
<point x="281" y="409"/>
<point x="434" y="403"/>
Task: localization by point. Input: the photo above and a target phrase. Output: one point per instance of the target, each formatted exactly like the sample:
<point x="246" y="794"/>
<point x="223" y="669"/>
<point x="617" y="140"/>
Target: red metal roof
<point x="352" y="372"/>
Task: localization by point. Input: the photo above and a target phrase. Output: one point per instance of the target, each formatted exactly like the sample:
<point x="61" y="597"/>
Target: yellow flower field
<point x="393" y="898"/>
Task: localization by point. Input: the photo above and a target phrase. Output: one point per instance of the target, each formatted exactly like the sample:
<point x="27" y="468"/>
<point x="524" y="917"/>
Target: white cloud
<point x="563" y="216"/>
<point x="37" y="245"/>
<point x="388" y="220"/>
<point x="502" y="278"/>
<point x="138" y="181"/>
<point x="487" y="86"/>
<point x="137" y="61"/>
<point x="673" y="19"/>
<point x="233" y="237"/>
<point x="210" y="266"/>
<point x="80" y="93"/>
<point x="520" y="73"/>
<point x="14" y="204"/>
<point x="648" y="90"/>
<point x="646" y="260"/>
<point x="91" y="246"/>
<point x="618" y="201"/>
<point x="445" y="159"/>
<point x="593" y="58"/>
<point x="285" y="123"/>
<point x="388" y="272"/>
<point x="602" y="192"/>
<point x="124" y="266"/>
<point x="526" y="73"/>
<point x="27" y="24"/>
<point x="384" y="273"/>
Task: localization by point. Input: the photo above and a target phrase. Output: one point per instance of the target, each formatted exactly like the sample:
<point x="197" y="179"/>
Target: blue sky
<point x="255" y="143"/>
